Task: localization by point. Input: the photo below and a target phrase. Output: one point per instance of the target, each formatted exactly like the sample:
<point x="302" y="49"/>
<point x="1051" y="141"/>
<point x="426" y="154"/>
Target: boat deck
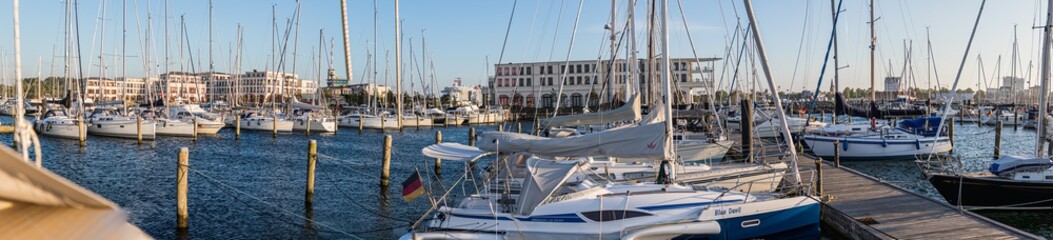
<point x="863" y="207"/>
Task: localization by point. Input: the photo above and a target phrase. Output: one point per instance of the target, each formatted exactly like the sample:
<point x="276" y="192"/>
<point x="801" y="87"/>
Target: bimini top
<point x="925" y="126"/>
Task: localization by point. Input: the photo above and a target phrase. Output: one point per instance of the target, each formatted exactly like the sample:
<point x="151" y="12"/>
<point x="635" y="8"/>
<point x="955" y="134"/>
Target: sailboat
<point x="907" y="140"/>
<point x="1013" y="182"/>
<point x="548" y="207"/>
<point x="58" y="120"/>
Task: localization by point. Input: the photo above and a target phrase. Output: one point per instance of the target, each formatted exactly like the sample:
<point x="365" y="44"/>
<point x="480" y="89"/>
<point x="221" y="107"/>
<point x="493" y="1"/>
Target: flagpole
<point x="424" y="184"/>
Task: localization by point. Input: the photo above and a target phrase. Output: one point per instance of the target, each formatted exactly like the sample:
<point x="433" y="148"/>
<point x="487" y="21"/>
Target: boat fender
<point x="917" y="144"/>
<point x="844" y="145"/>
<point x="49" y="127"/>
<point x="884" y="143"/>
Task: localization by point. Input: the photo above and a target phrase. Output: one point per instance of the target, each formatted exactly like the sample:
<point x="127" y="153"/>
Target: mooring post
<point x="312" y="159"/>
<point x="195" y="129"/>
<point x="385" y="162"/>
<point x="445" y="120"/>
<point x="181" y="189"/>
<point x="746" y="127"/>
<point x="998" y="140"/>
<point x="139" y="129"/>
<point x="438" y="161"/>
<point x="519" y="127"/>
<point x="819" y="177"/>
<point x="274" y="126"/>
<point x="537" y="127"/>
<point x="837" y="154"/>
<point x="237" y="127"/>
<point x="950" y="133"/>
<point x="81" y="130"/>
<point x="500" y="127"/>
<point x="308" y="124"/>
<point x="471" y="136"/>
<point x="360" y="124"/>
<point x="1015" y="119"/>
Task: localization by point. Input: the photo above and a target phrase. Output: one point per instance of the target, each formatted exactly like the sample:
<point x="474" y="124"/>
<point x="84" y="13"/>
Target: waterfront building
<point x="185" y="86"/>
<point x="108" y="89"/>
<point x="537" y="83"/>
<point x="257" y="86"/>
<point x="464" y="94"/>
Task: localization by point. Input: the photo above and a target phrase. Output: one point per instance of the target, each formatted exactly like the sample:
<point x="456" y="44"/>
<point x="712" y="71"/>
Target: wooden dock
<point x="863" y="207"/>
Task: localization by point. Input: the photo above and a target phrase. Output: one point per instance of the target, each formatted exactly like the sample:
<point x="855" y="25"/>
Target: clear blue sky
<point x="462" y="34"/>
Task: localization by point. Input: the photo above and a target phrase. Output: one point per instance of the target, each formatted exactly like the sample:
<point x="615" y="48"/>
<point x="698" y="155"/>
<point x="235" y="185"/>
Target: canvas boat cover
<point x="38" y="204"/>
<point x="1007" y="165"/>
<point x="297" y="104"/>
<point x="545" y="177"/>
<point x="628" y="112"/>
<point x="452" y="151"/>
<point x="645" y="140"/>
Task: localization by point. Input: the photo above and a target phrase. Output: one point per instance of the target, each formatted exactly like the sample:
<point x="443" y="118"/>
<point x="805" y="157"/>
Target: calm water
<point x="254" y="187"/>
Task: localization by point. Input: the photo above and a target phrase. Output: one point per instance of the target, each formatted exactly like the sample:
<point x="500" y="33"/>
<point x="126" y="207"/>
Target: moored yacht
<point x="109" y="122"/>
<point x="58" y="123"/>
<point x="261" y="122"/>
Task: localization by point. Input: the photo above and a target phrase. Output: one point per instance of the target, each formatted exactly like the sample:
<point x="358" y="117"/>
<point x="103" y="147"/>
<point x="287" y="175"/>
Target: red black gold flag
<point x="412" y="188"/>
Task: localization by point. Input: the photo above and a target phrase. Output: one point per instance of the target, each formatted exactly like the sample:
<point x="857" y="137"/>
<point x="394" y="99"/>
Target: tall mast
<point x="837" y="66"/>
<point x="873" y="45"/>
<point x="124" y="54"/>
<point x="19" y="107"/>
<point x="631" y="61"/>
<point x="102" y="47"/>
<point x="783" y="125"/>
<point x="347" y="43"/>
<point x="211" y="64"/>
<point x="667" y="101"/>
<point x="1042" y="110"/>
<point x="168" y="72"/>
<point x="398" y="66"/>
<point x="614" y="54"/>
<point x="296" y="44"/>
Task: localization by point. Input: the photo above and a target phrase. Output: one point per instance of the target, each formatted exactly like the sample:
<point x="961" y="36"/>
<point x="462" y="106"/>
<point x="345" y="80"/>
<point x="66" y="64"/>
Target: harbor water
<point x="254" y="187"/>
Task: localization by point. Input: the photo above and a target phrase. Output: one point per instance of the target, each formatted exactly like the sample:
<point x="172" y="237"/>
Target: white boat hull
<point x="877" y="149"/>
<point x="691" y="151"/>
<point x="385" y="123"/>
<point x="316" y="125"/>
<point x="266" y="125"/>
<point x="417" y="122"/>
<point x="174" y="128"/>
<point x="61" y="129"/>
<point x="209" y="127"/>
<point x="123" y="129"/>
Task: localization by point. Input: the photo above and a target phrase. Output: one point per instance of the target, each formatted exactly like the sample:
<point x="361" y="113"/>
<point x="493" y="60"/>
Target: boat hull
<point x="174" y="128"/>
<point x="379" y="123"/>
<point x="123" y="129"/>
<point x="266" y="125"/>
<point x="877" y="149"/>
<point x="65" y="130"/>
<point x="702" y="151"/>
<point x="209" y="127"/>
<point x="993" y="193"/>
<point x="315" y="125"/>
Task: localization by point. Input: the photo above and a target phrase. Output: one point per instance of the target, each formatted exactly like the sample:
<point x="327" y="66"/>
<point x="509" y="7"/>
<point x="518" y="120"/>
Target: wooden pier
<point x="863" y="207"/>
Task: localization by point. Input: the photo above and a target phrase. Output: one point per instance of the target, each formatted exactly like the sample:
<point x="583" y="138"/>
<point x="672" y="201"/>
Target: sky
<point x="463" y="37"/>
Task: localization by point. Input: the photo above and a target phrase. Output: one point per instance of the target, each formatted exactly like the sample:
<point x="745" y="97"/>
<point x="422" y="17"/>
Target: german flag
<point x="412" y="188"/>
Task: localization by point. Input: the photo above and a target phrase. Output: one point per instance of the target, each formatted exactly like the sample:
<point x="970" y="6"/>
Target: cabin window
<point x="1026" y="177"/>
<point x="856" y="129"/>
<point x="1049" y="177"/>
<point x="612" y="215"/>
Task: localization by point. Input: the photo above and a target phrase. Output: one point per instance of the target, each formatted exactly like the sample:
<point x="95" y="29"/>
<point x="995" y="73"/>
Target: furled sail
<point x="642" y="141"/>
<point x="628" y="112"/>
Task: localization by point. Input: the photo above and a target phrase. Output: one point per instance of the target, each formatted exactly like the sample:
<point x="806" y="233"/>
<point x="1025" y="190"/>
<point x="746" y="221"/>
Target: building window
<point x="578" y="67"/>
<point x="587" y="68"/>
<point x="530" y="81"/>
<point x="529" y="72"/>
<point x="575" y="100"/>
<point x="550" y="81"/>
<point x="546" y="100"/>
<point x="549" y="70"/>
<point x="683" y="77"/>
<point x="587" y="78"/>
<point x="579" y="80"/>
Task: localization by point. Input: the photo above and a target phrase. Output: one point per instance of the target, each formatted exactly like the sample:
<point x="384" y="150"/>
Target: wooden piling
<point x="237" y="128"/>
<point x="819" y="177"/>
<point x="81" y="130"/>
<point x="274" y="126"/>
<point x="438" y="161"/>
<point x="500" y="127"/>
<point x="1016" y="119"/>
<point x="950" y="133"/>
<point x="998" y="141"/>
<point x="837" y="154"/>
<point x="471" y="136"/>
<point x="181" y="189"/>
<point x="312" y="159"/>
<point x="307" y="132"/>
<point x="139" y="129"/>
<point x="746" y="127"/>
<point x="195" y="129"/>
<point x="385" y="162"/>
<point x="519" y="127"/>
<point x="360" y="124"/>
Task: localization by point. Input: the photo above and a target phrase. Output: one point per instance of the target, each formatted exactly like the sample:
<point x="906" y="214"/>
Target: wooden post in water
<point x="746" y="127"/>
<point x="500" y="127"/>
<point x="1015" y="119"/>
<point x="139" y="129"/>
<point x="519" y="127"/>
<point x="537" y="127"/>
<point x="360" y="124"/>
<point x="307" y="132"/>
<point x="81" y="130"/>
<point x="237" y="128"/>
<point x="195" y="129"/>
<point x="438" y="161"/>
<point x="819" y="177"/>
<point x="837" y="154"/>
<point x="998" y="141"/>
<point x="181" y="189"/>
<point x="385" y="162"/>
<point x="312" y="159"/>
<point x="950" y="133"/>
<point x="274" y="126"/>
<point x="471" y="136"/>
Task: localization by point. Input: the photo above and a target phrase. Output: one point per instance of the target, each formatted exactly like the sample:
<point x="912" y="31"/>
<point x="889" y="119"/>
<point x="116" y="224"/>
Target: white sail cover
<point x="37" y="204"/>
<point x="452" y="151"/>
<point x="297" y="104"/>
<point x="545" y="177"/>
<point x="641" y="141"/>
<point x="628" y="112"/>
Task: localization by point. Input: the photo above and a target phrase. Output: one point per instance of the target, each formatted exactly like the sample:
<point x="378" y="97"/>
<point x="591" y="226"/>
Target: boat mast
<point x="124" y="54"/>
<point x="398" y="66"/>
<point x="614" y="56"/>
<point x="667" y="100"/>
<point x="632" y="62"/>
<point x="837" y="67"/>
<point x="1042" y="109"/>
<point x="347" y="43"/>
<point x="168" y="72"/>
<point x="783" y="125"/>
<point x="873" y="45"/>
<point x="20" y="135"/>
<point x="211" y="64"/>
<point x="102" y="47"/>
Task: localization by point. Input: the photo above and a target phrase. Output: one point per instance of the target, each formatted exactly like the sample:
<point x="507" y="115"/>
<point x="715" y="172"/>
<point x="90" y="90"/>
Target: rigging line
<point x="826" y="59"/>
<point x="800" y="46"/>
<point x="961" y="67"/>
<point x="565" y="70"/>
<point x="282" y="210"/>
<point x="705" y="84"/>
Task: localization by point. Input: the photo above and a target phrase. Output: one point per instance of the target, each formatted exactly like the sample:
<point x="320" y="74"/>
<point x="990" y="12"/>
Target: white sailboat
<point x="207" y="123"/>
<point x="110" y="122"/>
<point x="265" y="122"/>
